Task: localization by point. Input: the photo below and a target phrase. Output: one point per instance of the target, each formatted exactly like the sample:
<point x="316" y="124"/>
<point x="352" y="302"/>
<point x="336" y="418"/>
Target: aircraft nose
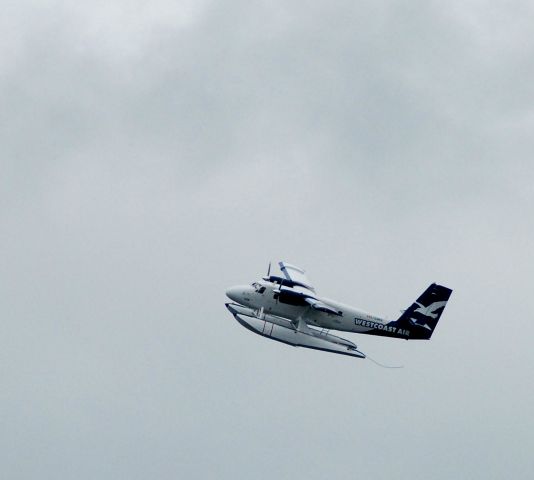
<point x="234" y="293"/>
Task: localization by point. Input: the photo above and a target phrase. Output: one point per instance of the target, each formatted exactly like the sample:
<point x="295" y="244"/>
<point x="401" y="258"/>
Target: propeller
<point x="268" y="272"/>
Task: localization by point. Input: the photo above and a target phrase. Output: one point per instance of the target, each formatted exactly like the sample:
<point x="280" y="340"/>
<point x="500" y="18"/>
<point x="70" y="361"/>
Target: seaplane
<point x="286" y="308"/>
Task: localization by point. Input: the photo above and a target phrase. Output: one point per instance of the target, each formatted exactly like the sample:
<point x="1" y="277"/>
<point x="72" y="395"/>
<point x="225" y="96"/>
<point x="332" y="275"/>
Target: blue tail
<point x="422" y="316"/>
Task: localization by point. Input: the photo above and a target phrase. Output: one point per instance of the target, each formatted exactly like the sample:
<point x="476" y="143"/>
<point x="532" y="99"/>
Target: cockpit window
<point x="258" y="288"/>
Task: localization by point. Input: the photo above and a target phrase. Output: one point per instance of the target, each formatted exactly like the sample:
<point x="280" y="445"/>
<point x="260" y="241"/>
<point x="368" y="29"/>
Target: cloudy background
<point x="155" y="153"/>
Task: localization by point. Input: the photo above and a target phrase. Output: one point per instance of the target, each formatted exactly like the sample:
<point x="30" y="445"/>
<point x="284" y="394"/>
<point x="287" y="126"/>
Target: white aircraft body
<point x="287" y="309"/>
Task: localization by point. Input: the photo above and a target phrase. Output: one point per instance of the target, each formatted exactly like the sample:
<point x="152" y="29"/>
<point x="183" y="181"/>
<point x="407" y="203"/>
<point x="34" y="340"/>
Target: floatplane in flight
<point x="287" y="308"/>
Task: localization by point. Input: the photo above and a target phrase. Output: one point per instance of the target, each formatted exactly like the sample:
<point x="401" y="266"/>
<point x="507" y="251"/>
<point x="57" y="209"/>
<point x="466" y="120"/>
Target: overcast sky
<point x="155" y="153"/>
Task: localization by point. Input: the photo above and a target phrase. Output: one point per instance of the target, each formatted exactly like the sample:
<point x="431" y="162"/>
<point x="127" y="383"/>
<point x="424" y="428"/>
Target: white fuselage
<point x="350" y="319"/>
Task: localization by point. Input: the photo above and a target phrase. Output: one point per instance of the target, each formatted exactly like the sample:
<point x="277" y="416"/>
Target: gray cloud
<point x="153" y="155"/>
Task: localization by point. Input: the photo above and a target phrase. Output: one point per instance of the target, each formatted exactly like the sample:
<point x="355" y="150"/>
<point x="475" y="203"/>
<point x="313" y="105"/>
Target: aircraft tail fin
<point x="422" y="316"/>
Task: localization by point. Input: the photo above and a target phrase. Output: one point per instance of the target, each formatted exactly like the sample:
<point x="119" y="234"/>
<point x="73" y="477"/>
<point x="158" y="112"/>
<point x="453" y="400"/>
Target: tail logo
<point x="429" y="311"/>
<point x="414" y="322"/>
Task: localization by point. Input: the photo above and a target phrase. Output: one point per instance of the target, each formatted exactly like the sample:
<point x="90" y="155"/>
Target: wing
<point x="302" y="289"/>
<point x="322" y="307"/>
<point x="295" y="275"/>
